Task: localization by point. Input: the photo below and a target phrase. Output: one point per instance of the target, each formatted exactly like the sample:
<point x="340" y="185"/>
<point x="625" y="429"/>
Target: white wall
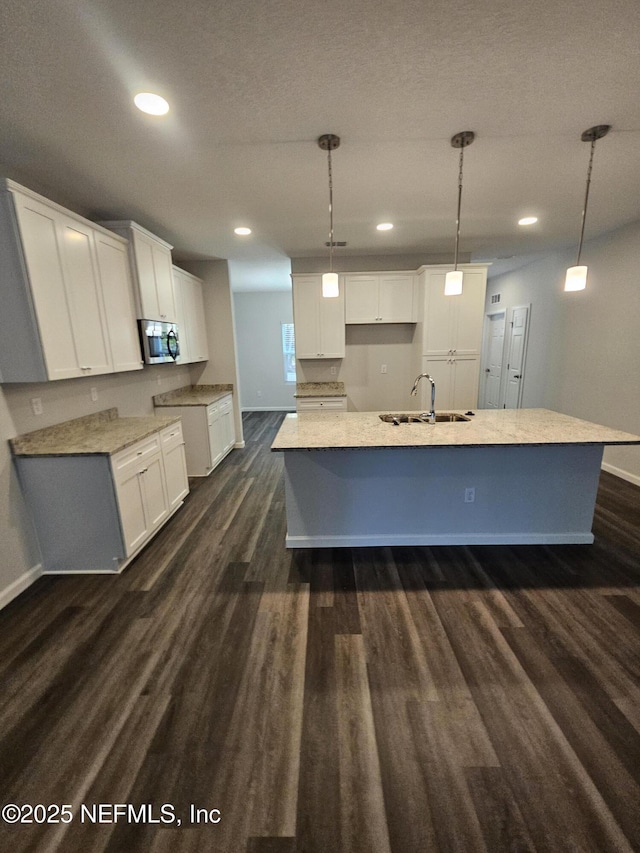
<point x="368" y="347"/>
<point x="222" y="366"/>
<point x="260" y="362"/>
<point x="584" y="348"/>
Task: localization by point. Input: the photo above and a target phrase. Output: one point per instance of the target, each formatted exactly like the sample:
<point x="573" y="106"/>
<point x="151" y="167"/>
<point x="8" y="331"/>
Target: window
<point x="289" y="352"/>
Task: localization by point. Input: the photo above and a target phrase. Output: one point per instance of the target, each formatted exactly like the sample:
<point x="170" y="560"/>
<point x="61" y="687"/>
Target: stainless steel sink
<point x="405" y="418"/>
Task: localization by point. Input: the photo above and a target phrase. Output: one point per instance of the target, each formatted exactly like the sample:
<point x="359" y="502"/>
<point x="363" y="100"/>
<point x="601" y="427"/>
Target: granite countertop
<point x="489" y="427"/>
<point x="320" y="389"/>
<point x="192" y="395"/>
<point x="103" y="433"/>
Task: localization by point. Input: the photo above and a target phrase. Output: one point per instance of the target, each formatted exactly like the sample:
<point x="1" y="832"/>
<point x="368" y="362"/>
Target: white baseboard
<point x="268" y="408"/>
<point x="239" y="445"/>
<point x="19" y="585"/>
<point x="620" y="472"/>
<point x="382" y="541"/>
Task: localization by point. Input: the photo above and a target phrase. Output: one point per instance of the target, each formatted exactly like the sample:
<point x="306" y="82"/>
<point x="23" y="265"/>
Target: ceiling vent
<point x="340" y="243"/>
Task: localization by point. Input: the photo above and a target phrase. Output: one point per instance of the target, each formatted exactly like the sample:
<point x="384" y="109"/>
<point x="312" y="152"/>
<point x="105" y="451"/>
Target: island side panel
<point x="415" y="496"/>
<point x="74" y="511"/>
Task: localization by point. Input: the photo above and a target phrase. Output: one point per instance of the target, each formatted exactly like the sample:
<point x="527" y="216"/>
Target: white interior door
<point x="494" y="354"/>
<point x="516" y="360"/>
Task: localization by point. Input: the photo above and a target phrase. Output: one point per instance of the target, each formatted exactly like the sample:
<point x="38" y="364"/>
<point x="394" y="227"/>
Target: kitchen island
<point x="506" y="476"/>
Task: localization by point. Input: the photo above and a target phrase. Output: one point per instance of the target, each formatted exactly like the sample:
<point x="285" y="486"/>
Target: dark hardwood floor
<point x="402" y="699"/>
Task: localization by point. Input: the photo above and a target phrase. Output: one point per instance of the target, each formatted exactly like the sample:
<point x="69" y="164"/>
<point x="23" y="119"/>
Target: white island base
<point x="416" y="496"/>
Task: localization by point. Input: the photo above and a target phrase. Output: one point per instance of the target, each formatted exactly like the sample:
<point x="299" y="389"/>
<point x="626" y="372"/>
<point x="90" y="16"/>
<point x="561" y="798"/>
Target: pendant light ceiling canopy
<point x="453" y="279"/>
<point x="577" y="275"/>
<point x="330" y="287"/>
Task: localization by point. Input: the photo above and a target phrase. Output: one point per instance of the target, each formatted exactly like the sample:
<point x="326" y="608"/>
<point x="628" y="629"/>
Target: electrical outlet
<point x="383" y="368"/>
<point x="36" y="405"/>
<point x="469" y="495"/>
<point x="333" y="370"/>
<point x="94" y="395"/>
<point x="259" y="393"/>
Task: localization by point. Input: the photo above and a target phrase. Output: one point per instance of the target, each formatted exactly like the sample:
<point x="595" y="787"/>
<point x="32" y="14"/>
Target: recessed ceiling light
<point x="152" y="104"/>
<point x="528" y="220"/>
<point x="242" y="232"/>
<point x="385" y="226"/>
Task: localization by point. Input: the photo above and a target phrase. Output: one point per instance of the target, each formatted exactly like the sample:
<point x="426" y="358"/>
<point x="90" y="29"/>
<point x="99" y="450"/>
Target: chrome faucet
<point x="430" y="416"/>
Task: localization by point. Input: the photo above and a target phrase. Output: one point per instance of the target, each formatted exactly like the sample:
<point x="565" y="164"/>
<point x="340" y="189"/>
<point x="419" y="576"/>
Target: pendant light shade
<point x="453" y="279"/>
<point x="576" y="278"/>
<point x="330" y="286"/>
<point x="453" y="283"/>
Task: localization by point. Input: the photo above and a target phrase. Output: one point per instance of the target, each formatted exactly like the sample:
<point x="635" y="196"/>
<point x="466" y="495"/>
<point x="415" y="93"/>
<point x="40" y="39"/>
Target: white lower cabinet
<point x="175" y="465"/>
<point x="456" y="379"/>
<point x="321" y="404"/>
<point x="209" y="433"/>
<point x="141" y="491"/>
<point x="93" y="513"/>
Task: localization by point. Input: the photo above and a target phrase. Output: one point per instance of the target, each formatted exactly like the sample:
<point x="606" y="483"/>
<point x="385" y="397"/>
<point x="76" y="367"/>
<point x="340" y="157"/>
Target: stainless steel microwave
<point x="159" y="341"/>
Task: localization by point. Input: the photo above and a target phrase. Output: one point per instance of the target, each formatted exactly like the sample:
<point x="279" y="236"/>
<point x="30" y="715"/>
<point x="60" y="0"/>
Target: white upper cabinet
<point x="453" y="324"/>
<point x="151" y="267"/>
<point x="380" y="298"/>
<point x="189" y="302"/>
<point x="117" y="291"/>
<point x="318" y="321"/>
<point x="56" y="319"/>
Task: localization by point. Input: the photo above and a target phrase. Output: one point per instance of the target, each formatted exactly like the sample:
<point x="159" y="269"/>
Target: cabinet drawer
<point x="133" y="456"/>
<point x="171" y="436"/>
<point x="213" y="413"/>
<point x="225" y="405"/>
<point x="327" y="404"/>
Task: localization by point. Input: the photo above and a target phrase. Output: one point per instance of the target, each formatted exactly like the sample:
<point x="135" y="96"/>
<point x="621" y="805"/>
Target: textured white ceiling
<point x="253" y="84"/>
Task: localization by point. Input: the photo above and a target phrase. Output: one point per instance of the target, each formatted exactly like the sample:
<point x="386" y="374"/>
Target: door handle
<point x="517" y="376"/>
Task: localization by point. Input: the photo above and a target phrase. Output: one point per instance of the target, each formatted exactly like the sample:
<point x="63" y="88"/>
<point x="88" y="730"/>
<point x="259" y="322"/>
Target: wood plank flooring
<point x="354" y="700"/>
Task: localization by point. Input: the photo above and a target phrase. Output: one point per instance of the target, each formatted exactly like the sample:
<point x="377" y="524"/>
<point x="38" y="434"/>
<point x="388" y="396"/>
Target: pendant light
<point x="577" y="276"/>
<point x="329" y="142"/>
<point x="453" y="279"/>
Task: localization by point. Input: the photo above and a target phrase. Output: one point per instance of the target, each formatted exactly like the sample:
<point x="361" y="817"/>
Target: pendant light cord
<point x="455" y="260"/>
<point x="586" y="199"/>
<point x="330" y="211"/>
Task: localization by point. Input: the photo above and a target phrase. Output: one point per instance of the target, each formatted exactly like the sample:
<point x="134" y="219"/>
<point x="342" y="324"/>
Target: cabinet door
<point x="198" y="344"/>
<point x="155" y="492"/>
<point x="39" y="235"/>
<point x="175" y="465"/>
<point x="306" y="316"/>
<point x="163" y="277"/>
<point x="332" y="329"/>
<point x="466" y="377"/>
<point x="470" y="313"/>
<point x="215" y="435"/>
<point x="361" y="299"/>
<point x="117" y="291"/>
<point x="84" y="296"/>
<point x="227" y="430"/>
<point x="131" y="506"/>
<point x="439" y="319"/>
<point x="181" y="298"/>
<point x="396" y="299"/>
<point x="440" y="370"/>
<point x="143" y="254"/>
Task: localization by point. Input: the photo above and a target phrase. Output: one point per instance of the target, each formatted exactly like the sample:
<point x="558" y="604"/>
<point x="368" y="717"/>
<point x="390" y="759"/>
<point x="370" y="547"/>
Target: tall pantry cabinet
<point x="452" y="336"/>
